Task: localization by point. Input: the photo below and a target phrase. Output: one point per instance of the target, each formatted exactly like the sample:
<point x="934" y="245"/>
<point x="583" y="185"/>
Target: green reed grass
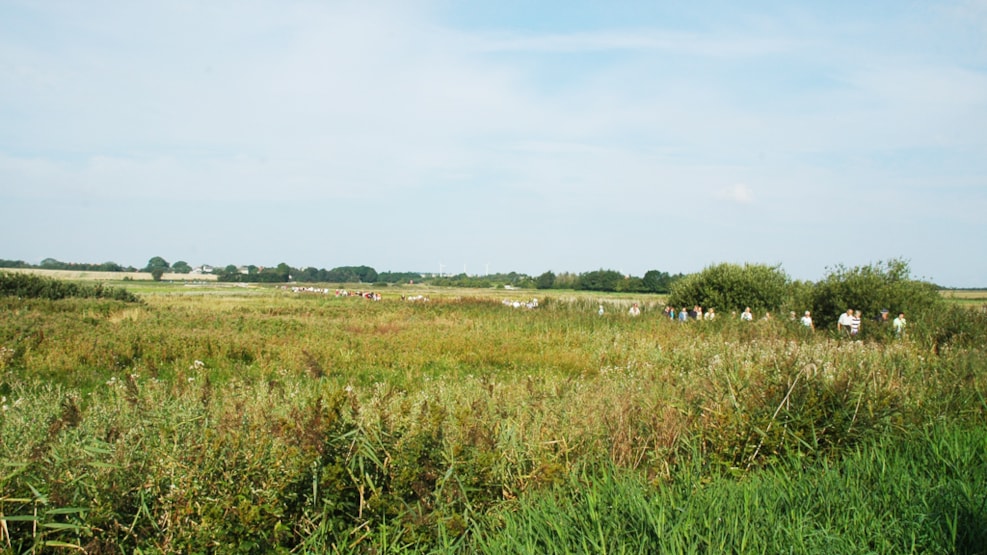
<point x="278" y="422"/>
<point x="926" y="493"/>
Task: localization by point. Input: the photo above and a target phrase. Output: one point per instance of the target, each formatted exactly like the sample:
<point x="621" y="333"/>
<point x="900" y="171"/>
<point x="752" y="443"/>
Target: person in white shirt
<point x="843" y="324"/>
<point x="807" y="320"/>
<point x="747" y="316"/>
<point x="899" y="324"/>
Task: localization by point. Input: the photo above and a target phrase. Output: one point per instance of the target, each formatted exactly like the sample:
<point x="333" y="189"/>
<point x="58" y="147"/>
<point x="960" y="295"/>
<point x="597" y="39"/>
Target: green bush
<point x="28" y="286"/>
<point x="727" y="287"/>
<point x="871" y="288"/>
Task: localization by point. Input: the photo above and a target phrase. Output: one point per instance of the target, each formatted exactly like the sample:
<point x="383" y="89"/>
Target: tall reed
<point x="274" y="422"/>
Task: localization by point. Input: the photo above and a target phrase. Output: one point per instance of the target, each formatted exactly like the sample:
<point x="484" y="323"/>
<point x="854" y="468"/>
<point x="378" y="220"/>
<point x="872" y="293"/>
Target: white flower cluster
<point x="6" y="355"/>
<point x="5" y="406"/>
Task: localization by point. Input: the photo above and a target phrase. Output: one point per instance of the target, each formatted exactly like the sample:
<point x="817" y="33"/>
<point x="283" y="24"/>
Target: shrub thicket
<point x="732" y="287"/>
<point x="27" y="286"/>
<point x="871" y="288"/>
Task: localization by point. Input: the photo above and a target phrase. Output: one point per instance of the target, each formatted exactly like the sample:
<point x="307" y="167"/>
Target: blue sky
<point x="502" y="136"/>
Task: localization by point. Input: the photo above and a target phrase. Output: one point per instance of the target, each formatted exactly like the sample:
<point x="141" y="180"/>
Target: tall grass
<point x="272" y="422"/>
<point x="922" y="493"/>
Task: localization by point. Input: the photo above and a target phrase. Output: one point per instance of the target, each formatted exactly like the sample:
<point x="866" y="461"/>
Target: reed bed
<point x="920" y="493"/>
<point x="274" y="422"/>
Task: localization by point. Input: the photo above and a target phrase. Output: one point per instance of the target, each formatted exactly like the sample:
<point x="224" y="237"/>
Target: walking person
<point x="855" y="323"/>
<point x="747" y="316"/>
<point x="843" y="324"/>
<point x="807" y="320"/>
<point x="899" y="324"/>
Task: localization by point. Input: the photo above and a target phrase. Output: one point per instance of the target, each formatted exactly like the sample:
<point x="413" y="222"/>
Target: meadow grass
<point x="260" y="420"/>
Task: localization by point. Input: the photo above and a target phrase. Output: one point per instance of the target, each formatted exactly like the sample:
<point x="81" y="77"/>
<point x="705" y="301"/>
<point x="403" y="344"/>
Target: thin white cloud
<point x="644" y="40"/>
<point x="737" y="193"/>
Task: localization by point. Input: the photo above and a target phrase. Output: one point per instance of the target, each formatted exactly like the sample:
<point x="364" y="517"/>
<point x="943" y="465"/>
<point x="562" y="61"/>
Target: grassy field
<point x="976" y="299"/>
<point x="257" y="419"/>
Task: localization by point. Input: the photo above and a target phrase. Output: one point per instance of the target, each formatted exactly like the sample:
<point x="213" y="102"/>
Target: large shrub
<point x="732" y="287"/>
<point x="872" y="288"/>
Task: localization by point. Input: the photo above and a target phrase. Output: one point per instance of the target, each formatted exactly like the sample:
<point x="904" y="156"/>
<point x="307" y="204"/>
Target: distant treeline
<point x="52" y="264"/>
<point x="653" y="281"/>
<point x="598" y="280"/>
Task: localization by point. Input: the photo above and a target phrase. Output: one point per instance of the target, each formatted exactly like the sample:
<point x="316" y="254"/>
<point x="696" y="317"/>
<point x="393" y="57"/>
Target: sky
<point x="488" y="137"/>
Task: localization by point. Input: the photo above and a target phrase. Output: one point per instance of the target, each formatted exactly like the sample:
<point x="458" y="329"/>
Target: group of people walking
<point x="686" y="314"/>
<point x="848" y="324"/>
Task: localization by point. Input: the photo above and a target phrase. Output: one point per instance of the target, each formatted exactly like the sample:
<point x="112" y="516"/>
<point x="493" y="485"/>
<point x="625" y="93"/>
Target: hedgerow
<point x="28" y="286"/>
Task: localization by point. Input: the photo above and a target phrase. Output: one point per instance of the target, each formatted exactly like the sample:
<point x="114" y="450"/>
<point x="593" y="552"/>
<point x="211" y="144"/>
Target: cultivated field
<point x="971" y="298"/>
<point x="259" y="419"/>
<point x="110" y="276"/>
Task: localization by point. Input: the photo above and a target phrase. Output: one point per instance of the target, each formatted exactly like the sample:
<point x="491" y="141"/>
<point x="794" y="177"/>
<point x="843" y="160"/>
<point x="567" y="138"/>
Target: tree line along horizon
<point x="604" y="280"/>
<point x="653" y="281"/>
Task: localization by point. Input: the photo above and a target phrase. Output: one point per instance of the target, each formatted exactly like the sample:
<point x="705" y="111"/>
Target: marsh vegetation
<point x="256" y="420"/>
